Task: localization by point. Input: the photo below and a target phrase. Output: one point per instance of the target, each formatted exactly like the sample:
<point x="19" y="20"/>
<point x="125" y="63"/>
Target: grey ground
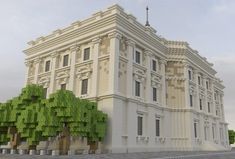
<point x="149" y="155"/>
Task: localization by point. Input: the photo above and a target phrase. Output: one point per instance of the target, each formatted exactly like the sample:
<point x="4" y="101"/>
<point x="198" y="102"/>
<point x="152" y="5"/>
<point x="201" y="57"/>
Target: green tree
<point x="231" y="136"/>
<point x="33" y="118"/>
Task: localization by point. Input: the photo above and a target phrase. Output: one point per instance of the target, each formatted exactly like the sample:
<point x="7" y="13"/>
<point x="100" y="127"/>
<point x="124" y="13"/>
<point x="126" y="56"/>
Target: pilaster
<point x="114" y="62"/>
<point x="53" y="67"/>
<point x="148" y="91"/>
<point x="163" y="73"/>
<point x="186" y="84"/>
<point x="129" y="82"/>
<point x="73" y="51"/>
<point x="37" y="62"/>
<point x="95" y="74"/>
<point x="28" y="64"/>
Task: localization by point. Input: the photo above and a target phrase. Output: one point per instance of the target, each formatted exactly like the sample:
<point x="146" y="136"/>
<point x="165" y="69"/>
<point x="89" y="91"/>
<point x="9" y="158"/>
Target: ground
<point x="154" y="155"/>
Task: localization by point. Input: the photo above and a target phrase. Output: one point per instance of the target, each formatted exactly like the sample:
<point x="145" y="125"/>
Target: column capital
<point x="74" y="47"/>
<point x="115" y="35"/>
<point x="54" y="54"/>
<point x="96" y="40"/>
<point x="148" y="52"/>
<point x="130" y="42"/>
<point x="28" y="63"/>
<point x="37" y="60"/>
<point x="163" y="61"/>
<point x="186" y="64"/>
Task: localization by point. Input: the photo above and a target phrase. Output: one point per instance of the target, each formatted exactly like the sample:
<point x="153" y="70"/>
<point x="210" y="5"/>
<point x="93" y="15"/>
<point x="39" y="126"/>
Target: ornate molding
<point x="115" y="35"/>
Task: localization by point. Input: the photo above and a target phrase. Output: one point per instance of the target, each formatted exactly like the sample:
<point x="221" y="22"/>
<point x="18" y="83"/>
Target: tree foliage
<point x="36" y="118"/>
<point x="231" y="136"/>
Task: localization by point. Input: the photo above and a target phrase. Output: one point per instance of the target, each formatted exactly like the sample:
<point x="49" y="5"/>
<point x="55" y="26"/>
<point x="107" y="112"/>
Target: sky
<point x="207" y="25"/>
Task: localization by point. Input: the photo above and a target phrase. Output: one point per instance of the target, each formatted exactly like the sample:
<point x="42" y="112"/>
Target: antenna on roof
<point x="147" y="16"/>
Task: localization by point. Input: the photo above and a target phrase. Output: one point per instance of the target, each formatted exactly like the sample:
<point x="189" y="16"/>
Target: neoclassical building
<point x="159" y="94"/>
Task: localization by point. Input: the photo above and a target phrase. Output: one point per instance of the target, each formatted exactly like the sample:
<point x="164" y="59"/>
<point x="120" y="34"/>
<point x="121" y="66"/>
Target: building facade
<point x="159" y="94"/>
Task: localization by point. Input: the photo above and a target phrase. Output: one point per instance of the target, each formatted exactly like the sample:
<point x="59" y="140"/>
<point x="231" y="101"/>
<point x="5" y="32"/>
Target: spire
<point x="147" y="17"/>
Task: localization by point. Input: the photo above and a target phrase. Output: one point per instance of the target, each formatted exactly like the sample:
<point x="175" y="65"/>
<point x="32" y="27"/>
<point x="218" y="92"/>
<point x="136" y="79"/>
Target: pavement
<point x="148" y="155"/>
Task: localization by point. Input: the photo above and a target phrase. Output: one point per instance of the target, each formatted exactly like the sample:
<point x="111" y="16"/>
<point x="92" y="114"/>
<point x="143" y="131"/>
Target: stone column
<point x="73" y="51"/>
<point x="37" y="62"/>
<point x="114" y="62"/>
<point x="53" y="67"/>
<point x="95" y="66"/>
<point x="148" y="94"/>
<point x="129" y="82"/>
<point x="186" y="85"/>
<point x="213" y="98"/>
<point x="163" y="73"/>
<point x="28" y="64"/>
<point x="196" y="100"/>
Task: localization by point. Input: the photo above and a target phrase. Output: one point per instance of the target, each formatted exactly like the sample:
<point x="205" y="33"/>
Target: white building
<point x="159" y="94"/>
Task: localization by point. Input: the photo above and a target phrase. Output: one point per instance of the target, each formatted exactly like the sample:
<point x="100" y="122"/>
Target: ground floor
<point x="134" y="126"/>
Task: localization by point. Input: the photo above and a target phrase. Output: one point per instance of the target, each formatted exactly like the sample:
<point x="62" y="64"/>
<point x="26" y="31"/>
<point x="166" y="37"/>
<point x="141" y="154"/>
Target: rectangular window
<point x="209" y="107"/>
<point x="191" y="100"/>
<point x="195" y="129"/>
<point x="45" y="92"/>
<point x="66" y="60"/>
<point x="140" y="125"/>
<point x="157" y="127"/>
<point x="189" y="74"/>
<point x="137" y="57"/>
<point x="155" y="94"/>
<point x="137" y="88"/>
<point x="84" y="86"/>
<point x="47" y="66"/>
<point x="207" y="85"/>
<point x="205" y="132"/>
<point x="199" y="80"/>
<point x="63" y="86"/>
<point x="213" y="131"/>
<point x="154" y="65"/>
<point x="200" y="103"/>
<point x="86" y="55"/>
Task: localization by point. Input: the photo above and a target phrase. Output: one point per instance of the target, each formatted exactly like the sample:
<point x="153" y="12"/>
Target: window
<point x="63" y="86"/>
<point x="84" y="86"/>
<point x="195" y="129"/>
<point x="86" y="55"/>
<point x="66" y="60"/>
<point x="207" y="85"/>
<point x="157" y="127"/>
<point x="213" y="131"/>
<point x="45" y="92"/>
<point x="215" y="95"/>
<point x="140" y="125"/>
<point x="47" y="66"/>
<point x="155" y="94"/>
<point x="205" y="132"/>
<point x="154" y="65"/>
<point x="199" y="80"/>
<point x="209" y="107"/>
<point x="137" y="88"/>
<point x="189" y="74"/>
<point x="200" y="103"/>
<point x="137" y="57"/>
<point x="191" y="100"/>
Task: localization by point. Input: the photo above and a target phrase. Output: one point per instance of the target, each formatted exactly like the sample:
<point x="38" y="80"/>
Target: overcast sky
<point x="208" y="25"/>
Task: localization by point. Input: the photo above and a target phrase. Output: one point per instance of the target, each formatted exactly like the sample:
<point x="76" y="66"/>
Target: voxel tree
<point x="32" y="118"/>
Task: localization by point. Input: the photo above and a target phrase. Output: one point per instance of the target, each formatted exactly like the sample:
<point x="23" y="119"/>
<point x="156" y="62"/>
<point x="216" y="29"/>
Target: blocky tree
<point x="33" y="118"/>
<point x="231" y="136"/>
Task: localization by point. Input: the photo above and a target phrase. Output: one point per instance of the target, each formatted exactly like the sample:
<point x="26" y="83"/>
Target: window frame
<point x="65" y="63"/>
<point x="63" y="86"/>
<point x="140" y="56"/>
<point x="154" y="95"/>
<point x="154" y="65"/>
<point x="137" y="91"/>
<point x="84" y="53"/>
<point x="140" y="125"/>
<point x="191" y="100"/>
<point x="84" y="89"/>
<point x="47" y="68"/>
<point x="158" y="131"/>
